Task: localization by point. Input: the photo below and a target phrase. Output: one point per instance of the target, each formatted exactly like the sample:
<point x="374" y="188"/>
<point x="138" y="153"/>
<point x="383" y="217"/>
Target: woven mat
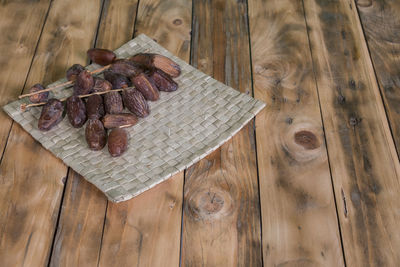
<point x="183" y="127"/>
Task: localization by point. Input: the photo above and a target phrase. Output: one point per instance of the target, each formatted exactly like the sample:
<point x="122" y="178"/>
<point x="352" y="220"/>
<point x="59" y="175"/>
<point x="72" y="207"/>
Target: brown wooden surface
<point x="298" y="207"/>
<point x="314" y="182"/>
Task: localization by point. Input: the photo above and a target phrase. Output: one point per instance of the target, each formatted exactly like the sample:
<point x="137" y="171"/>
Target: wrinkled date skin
<point x="146" y="86"/>
<point x="117" y="142"/>
<point x="101" y="85"/>
<point x="158" y="61"/>
<point x="135" y="102"/>
<point x="126" y="67"/>
<point x="117" y="80"/>
<point x="101" y="56"/>
<point x="163" y="81"/>
<point x="84" y="83"/>
<point x="95" y="107"/>
<point x="113" y="103"/>
<point x="76" y="111"/>
<point x="41" y="97"/>
<point x="73" y="72"/>
<point x="117" y="120"/>
<point x="52" y="114"/>
<point x="96" y="135"/>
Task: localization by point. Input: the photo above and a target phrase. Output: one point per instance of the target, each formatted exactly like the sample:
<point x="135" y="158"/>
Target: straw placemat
<point x="183" y="127"/>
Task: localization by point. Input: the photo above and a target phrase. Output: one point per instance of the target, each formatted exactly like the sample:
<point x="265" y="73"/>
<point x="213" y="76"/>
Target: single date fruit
<point x="41" y="97"/>
<point x="101" y="56"/>
<point x="113" y="103"/>
<point x="163" y="81"/>
<point x="96" y="135"/>
<point x="101" y="85"/>
<point x="117" y="80"/>
<point x="158" y="61"/>
<point x="73" y="72"/>
<point x="146" y="86"/>
<point x="52" y="114"/>
<point x="117" y="142"/>
<point x="135" y="102"/>
<point x="95" y="107"/>
<point x="84" y="83"/>
<point x="76" y="111"/>
<point x="117" y="120"/>
<point x="126" y="67"/>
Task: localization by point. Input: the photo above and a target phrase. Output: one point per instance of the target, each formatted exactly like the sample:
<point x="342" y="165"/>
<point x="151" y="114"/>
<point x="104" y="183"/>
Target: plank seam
<point x="323" y="129"/>
<point x="255" y="134"/>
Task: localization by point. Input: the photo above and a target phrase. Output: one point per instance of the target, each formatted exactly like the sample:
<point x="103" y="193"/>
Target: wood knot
<point x="209" y="204"/>
<point x="364" y="3"/>
<point x="177" y="22"/>
<point x="306" y="139"/>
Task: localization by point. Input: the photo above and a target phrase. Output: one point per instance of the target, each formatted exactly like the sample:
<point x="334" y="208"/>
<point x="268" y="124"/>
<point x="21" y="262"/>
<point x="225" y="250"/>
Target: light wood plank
<point x="20" y="25"/>
<point x="32" y="177"/>
<point x="381" y="23"/>
<point x="364" y="163"/>
<point x="221" y="223"/>
<point x="297" y="202"/>
<point x="84" y="207"/>
<point x="145" y="231"/>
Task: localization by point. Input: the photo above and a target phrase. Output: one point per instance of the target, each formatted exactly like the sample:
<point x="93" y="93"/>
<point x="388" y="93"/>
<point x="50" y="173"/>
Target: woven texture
<point x="183" y="127"/>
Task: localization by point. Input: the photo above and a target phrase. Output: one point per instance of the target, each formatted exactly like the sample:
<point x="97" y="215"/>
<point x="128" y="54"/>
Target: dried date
<point x="117" y="80"/>
<point x="118" y="120"/>
<point x="135" y="102"/>
<point x="101" y="85"/>
<point x="158" y="61"/>
<point x="74" y="71"/>
<point x="95" y="107"/>
<point x="84" y="83"/>
<point x="163" y="81"/>
<point x="76" y="111"/>
<point x="101" y="56"/>
<point x="126" y="67"/>
<point x="113" y="103"/>
<point x="117" y="142"/>
<point x="96" y="135"/>
<point x="37" y="98"/>
<point x="52" y="114"/>
<point x="146" y="86"/>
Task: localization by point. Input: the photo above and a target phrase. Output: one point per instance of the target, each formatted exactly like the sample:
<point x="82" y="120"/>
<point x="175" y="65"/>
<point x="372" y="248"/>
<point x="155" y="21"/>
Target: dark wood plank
<point x="381" y="23"/>
<point x="84" y="207"/>
<point x="363" y="159"/>
<point x="221" y="223"/>
<point x="33" y="179"/>
<point x="297" y="202"/>
<point x="21" y="24"/>
<point x="145" y="231"/>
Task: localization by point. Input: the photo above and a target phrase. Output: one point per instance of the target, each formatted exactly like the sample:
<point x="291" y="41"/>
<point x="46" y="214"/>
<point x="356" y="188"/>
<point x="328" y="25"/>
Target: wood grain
<point x="363" y="159"/>
<point x="21" y="24"/>
<point x="221" y="223"/>
<point x="297" y="202"/>
<point x="381" y="24"/>
<point x="145" y="231"/>
<point x="32" y="179"/>
<point x="84" y="207"/>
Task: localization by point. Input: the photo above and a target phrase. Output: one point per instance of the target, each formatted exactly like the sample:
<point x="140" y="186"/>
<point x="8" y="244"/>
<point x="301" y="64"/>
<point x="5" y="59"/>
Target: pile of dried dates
<point x="141" y="77"/>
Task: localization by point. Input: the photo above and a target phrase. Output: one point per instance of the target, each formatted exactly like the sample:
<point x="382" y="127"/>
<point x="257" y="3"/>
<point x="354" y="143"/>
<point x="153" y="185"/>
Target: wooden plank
<point x="297" y="202"/>
<point x="221" y="223"/>
<point x="33" y="179"/>
<point x="364" y="164"/>
<point x="145" y="231"/>
<point x="381" y="23"/>
<point x="21" y="24"/>
<point x="84" y="207"/>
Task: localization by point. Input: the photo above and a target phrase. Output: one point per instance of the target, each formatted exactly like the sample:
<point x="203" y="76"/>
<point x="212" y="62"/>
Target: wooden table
<point x="313" y="181"/>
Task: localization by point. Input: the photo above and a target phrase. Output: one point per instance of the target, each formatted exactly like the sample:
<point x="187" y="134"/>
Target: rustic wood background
<point x="313" y="181"/>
